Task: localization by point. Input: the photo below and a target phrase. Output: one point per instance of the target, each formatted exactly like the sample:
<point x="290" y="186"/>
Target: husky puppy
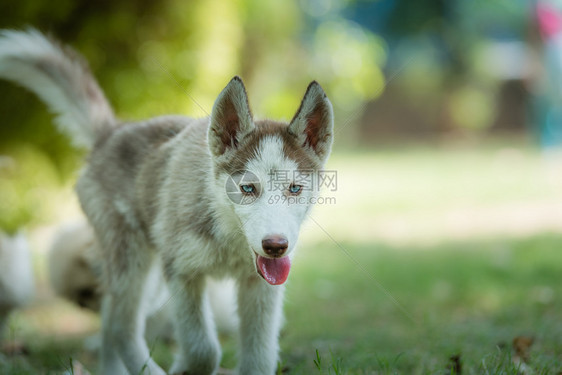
<point x="192" y="198"/>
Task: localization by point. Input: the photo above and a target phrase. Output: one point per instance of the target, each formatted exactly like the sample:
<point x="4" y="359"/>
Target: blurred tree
<point x="172" y="56"/>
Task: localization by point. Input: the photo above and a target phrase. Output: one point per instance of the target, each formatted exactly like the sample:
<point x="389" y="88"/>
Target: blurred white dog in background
<point x="17" y="285"/>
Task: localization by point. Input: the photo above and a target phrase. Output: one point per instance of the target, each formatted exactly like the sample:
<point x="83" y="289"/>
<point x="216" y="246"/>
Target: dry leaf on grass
<point x="521" y="346"/>
<point x="455" y="365"/>
<point x="14" y="347"/>
<point x="225" y="371"/>
<point x="77" y="369"/>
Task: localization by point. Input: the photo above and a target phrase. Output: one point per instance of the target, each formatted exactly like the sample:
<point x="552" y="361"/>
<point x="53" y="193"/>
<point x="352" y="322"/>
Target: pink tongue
<point x="275" y="271"/>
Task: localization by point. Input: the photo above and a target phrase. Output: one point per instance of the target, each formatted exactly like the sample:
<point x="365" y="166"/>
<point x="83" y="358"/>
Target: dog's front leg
<point x="124" y="349"/>
<point x="199" y="350"/>
<point x="260" y="307"/>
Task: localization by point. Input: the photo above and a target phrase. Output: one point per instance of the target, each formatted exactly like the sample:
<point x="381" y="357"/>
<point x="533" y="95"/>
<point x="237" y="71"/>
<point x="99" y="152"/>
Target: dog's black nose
<point x="275" y="245"/>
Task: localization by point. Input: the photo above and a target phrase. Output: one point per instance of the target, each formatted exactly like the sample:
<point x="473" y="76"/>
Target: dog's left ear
<point x="314" y="121"/>
<point x="231" y="118"/>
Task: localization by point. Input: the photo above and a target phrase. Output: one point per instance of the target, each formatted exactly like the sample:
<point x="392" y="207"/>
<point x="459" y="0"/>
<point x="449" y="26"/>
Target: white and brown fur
<point x="154" y="192"/>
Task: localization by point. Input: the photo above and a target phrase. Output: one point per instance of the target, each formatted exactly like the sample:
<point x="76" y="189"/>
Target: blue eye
<point x="295" y="189"/>
<point x="248" y="189"/>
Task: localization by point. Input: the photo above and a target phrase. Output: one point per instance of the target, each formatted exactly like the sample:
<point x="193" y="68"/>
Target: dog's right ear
<point x="231" y="118"/>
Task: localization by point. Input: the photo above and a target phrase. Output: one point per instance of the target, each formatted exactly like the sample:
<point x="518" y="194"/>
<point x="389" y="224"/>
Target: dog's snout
<point x="275" y="245"/>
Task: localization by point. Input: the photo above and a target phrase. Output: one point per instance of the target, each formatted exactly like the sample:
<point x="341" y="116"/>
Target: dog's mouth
<point x="273" y="270"/>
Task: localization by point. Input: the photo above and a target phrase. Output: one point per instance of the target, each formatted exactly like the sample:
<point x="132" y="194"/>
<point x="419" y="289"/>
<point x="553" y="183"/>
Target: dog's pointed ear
<point x="314" y="121"/>
<point x="231" y="118"/>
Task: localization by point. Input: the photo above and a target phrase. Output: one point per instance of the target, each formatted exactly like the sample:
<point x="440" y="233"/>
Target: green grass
<point x="469" y="298"/>
<point x="423" y="193"/>
<point x="383" y="283"/>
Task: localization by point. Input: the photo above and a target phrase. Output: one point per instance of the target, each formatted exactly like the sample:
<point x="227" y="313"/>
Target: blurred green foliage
<point x="175" y="56"/>
<point x="26" y="186"/>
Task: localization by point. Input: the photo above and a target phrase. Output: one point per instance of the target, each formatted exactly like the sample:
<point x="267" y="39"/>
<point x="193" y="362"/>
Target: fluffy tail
<point x="61" y="78"/>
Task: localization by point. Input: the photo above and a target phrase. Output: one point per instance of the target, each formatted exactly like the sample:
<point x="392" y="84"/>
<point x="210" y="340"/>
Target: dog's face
<point x="269" y="171"/>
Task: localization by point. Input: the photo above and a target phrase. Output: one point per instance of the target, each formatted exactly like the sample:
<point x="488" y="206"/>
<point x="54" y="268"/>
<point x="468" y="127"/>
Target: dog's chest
<point x="232" y="259"/>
